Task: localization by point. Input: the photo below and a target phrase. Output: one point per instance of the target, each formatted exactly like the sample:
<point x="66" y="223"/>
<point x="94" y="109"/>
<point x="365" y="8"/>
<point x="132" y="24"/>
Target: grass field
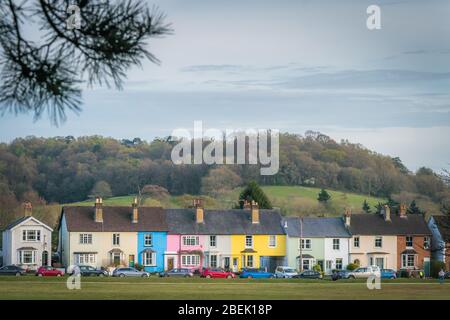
<point x="30" y="287"/>
<point x="291" y="199"/>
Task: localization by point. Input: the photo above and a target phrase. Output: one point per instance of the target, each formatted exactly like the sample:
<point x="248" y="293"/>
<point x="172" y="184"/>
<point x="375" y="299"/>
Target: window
<point x="329" y="264"/>
<point x="336" y="244"/>
<point x="306" y="244"/>
<point x="85" y="238"/>
<point x="306" y="264"/>
<point x="409" y="241"/>
<point x="85" y="258"/>
<point x="116" y="239"/>
<point x="339" y="263"/>
<point x="190" y="240"/>
<point x="250" y="261"/>
<point x="408" y="261"/>
<point x="249" y="241"/>
<point x="149" y="258"/>
<point x="148" y="240"/>
<point x="27" y="257"/>
<point x="272" y="241"/>
<point x="356" y="242"/>
<point x="190" y="260"/>
<point x="212" y="241"/>
<point x="426" y="243"/>
<point x="378" y="242"/>
<point x="213" y="261"/>
<point x="31" y="235"/>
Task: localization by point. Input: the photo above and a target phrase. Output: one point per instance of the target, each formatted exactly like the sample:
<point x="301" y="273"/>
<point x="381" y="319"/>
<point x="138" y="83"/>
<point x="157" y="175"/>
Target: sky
<point x="287" y="65"/>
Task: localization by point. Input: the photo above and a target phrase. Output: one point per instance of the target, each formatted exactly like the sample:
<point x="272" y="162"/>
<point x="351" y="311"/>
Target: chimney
<point x="348" y="216"/>
<point x="247" y="205"/>
<point x="402" y="211"/>
<point x="98" y="209"/>
<point x="387" y="213"/>
<point x="199" y="213"/>
<point x="28" y="209"/>
<point x="135" y="211"/>
<point x="255" y="212"/>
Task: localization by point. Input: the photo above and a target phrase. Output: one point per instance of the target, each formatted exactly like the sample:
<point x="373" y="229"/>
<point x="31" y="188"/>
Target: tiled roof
<point x="223" y="222"/>
<point x="443" y="224"/>
<point x="374" y="224"/>
<point x="81" y="218"/>
<point x="23" y="219"/>
<point x="317" y="227"/>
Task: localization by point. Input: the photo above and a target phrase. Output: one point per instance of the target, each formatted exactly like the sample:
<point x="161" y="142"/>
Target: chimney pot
<point x="387" y="213"/>
<point x="28" y="209"/>
<point x="98" y="209"/>
<point x="199" y="211"/>
<point x="348" y="216"/>
<point x="402" y="210"/>
<point x="255" y="212"/>
<point x="135" y="215"/>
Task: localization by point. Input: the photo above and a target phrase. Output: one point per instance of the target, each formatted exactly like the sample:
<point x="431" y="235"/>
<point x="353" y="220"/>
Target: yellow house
<point x="264" y="243"/>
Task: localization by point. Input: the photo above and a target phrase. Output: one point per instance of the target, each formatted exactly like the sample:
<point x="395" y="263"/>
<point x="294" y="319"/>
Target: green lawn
<point x="30" y="287"/>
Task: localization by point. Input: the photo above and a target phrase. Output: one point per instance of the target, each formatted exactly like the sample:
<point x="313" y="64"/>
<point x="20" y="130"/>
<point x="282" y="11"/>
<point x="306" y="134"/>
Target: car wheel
<point x="144" y="276"/>
<point x="101" y="275"/>
<point x="208" y="276"/>
<point x="392" y="278"/>
<point x="249" y="277"/>
<point x="39" y="274"/>
<point x="18" y="274"/>
<point x="352" y="277"/>
<point x="122" y="275"/>
<point x="58" y="275"/>
<point x="229" y="276"/>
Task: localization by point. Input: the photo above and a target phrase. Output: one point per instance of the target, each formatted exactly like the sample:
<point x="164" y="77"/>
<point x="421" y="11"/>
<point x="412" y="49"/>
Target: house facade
<point x="440" y="242"/>
<point x="231" y="239"/>
<point x="321" y="241"/>
<point x="27" y="242"/>
<point x="103" y="236"/>
<point x="390" y="241"/>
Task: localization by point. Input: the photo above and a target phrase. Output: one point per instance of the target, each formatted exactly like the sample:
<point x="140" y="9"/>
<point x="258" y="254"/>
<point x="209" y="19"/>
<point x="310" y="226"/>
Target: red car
<point x="217" y="273"/>
<point x="48" y="272"/>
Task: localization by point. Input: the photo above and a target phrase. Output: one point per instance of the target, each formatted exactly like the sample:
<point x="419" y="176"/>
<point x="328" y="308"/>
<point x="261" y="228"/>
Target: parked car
<point x="177" y="272"/>
<point x="12" y="271"/>
<point x="309" y="274"/>
<point x="129" y="272"/>
<point x="447" y="275"/>
<point x="217" y="273"/>
<point x="255" y="273"/>
<point x="340" y="274"/>
<point x="285" y="272"/>
<point x="388" y="274"/>
<point x="91" y="271"/>
<point x="365" y="272"/>
<point x="47" y="271"/>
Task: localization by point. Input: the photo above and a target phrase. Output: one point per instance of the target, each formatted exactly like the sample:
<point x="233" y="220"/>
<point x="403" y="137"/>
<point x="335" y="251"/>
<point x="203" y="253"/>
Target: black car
<point x="309" y="274"/>
<point x="12" y="271"/>
<point x="340" y="274"/>
<point x="91" y="271"/>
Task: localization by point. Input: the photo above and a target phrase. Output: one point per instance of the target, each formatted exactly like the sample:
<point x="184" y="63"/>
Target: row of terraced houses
<point x="161" y="239"/>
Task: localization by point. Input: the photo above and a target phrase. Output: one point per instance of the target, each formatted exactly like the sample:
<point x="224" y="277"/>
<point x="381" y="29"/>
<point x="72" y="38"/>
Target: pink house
<point x="185" y="251"/>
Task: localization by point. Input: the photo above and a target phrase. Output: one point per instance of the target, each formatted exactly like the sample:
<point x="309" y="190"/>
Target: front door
<point x="235" y="264"/>
<point x="426" y="266"/>
<point x="379" y="262"/>
<point x="45" y="258"/>
<point x="170" y="263"/>
<point x="226" y="263"/>
<point x="320" y="263"/>
<point x="131" y="260"/>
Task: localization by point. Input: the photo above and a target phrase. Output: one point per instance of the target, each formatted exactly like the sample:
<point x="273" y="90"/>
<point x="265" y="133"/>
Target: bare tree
<point x="47" y="74"/>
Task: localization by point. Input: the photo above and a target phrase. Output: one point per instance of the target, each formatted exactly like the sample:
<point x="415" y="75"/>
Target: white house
<point x="27" y="242"/>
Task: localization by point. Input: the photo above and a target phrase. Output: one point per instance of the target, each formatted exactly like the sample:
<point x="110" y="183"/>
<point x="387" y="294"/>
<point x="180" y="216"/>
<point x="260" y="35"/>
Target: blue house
<point x="151" y="248"/>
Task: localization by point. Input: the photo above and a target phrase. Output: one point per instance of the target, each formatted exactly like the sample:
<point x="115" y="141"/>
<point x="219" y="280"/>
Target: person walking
<point x="441" y="275"/>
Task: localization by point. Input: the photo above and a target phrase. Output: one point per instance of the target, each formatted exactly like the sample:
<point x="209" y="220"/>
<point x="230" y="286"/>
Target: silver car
<point x="365" y="272"/>
<point x="129" y="272"/>
<point x="285" y="272"/>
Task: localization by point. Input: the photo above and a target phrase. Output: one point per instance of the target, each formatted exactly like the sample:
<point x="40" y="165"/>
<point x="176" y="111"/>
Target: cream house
<point x="27" y="242"/>
<point x="103" y="236"/>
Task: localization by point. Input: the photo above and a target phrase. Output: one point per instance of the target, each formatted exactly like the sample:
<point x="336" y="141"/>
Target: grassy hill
<point x="292" y="200"/>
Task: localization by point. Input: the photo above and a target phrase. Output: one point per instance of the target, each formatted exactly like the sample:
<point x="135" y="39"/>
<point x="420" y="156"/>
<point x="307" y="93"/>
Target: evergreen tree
<point x="323" y="196"/>
<point x="366" y="207"/>
<point x="414" y="209"/>
<point x="253" y="192"/>
<point x="379" y="207"/>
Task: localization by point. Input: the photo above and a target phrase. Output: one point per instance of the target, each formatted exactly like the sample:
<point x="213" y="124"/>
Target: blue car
<point x="388" y="274"/>
<point x="255" y="273"/>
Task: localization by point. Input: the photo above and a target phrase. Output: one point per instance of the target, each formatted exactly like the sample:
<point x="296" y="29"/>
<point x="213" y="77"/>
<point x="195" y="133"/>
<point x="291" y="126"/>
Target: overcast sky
<point x="287" y="65"/>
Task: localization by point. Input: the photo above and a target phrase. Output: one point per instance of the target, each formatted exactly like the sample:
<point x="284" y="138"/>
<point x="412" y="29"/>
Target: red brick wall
<point x="447" y="256"/>
<point x="417" y="246"/>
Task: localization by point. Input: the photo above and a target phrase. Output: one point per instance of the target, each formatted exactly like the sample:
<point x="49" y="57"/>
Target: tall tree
<point x="47" y="75"/>
<point x="253" y="192"/>
<point x="323" y="196"/>
<point x="414" y="209"/>
<point x="101" y="189"/>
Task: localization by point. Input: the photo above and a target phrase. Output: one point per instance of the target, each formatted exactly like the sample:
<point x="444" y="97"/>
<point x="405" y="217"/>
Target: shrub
<point x="138" y="266"/>
<point x="352" y="266"/>
<point x="436" y="266"/>
<point x="317" y="268"/>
